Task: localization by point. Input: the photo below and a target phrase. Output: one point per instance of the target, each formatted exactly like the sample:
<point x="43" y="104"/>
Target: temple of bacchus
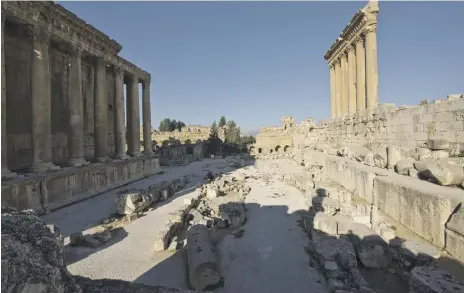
<point x="63" y="106"/>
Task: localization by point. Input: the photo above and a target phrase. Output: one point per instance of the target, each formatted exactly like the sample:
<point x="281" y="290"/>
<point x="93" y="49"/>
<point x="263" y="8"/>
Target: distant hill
<point x="251" y="132"/>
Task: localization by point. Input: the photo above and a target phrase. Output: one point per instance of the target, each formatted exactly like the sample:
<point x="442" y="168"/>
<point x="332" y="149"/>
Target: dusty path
<point x="267" y="256"/>
<point x="270" y="256"/>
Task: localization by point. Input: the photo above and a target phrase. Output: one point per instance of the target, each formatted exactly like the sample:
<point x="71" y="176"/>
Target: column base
<point x="121" y="156"/>
<point x="7" y="174"/>
<point x="135" y="155"/>
<point x="149" y="153"/>
<point x="44" y="167"/>
<point x="102" y="159"/>
<point x="77" y="162"/>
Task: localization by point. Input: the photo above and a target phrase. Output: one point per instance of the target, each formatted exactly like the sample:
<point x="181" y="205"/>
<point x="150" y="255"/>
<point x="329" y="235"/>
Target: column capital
<point x="349" y="48"/>
<point x="332" y="66"/>
<point x="358" y="40"/>
<point x="370" y="29"/>
<point x="146" y="84"/>
<point x="132" y="77"/>
<point x="119" y="71"/>
<point x="39" y="34"/>
<point x="76" y="50"/>
<point x="336" y="62"/>
<point x="343" y="56"/>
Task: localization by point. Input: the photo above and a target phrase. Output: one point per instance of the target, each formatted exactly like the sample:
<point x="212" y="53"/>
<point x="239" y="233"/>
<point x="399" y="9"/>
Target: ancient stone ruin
<point x="370" y="200"/>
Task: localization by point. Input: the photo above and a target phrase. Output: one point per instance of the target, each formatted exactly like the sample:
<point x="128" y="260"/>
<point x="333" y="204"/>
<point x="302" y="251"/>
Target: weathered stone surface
<point x="393" y="156"/>
<point x="437" y="144"/>
<point x="420" y="251"/>
<point x="32" y="256"/>
<point x="426" y="279"/>
<point x="202" y="258"/>
<point x="330" y="248"/>
<point x="371" y="249"/>
<point x="403" y="166"/>
<point x="439" y="174"/>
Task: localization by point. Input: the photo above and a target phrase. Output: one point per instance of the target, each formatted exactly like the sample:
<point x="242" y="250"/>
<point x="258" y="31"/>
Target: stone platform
<point x="51" y="191"/>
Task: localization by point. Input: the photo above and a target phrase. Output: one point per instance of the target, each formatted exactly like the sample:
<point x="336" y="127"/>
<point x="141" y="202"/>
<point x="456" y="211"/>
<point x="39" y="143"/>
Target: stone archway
<point x="286" y="148"/>
<point x="277" y="148"/>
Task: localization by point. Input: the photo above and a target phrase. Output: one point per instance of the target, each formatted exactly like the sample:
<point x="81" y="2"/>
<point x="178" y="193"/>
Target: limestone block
<point x="393" y="156"/>
<point x="437" y="173"/>
<point x="325" y="223"/>
<point x="126" y="203"/>
<point x="402" y="166"/>
<point x="427" y="279"/>
<point x="456" y="221"/>
<point x="371" y="249"/>
<point x="419" y="250"/>
<point x="436" y="155"/>
<point x="437" y="144"/>
<point x="454" y="244"/>
<point x="329" y="248"/>
<point x="164" y="237"/>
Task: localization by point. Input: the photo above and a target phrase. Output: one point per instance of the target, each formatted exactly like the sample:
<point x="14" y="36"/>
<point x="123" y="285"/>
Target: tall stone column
<point x="133" y="116"/>
<point x="100" y="112"/>
<point x="344" y="83"/>
<point x="119" y="121"/>
<point x="360" y="75"/>
<point x="338" y="88"/>
<point x="332" y="91"/>
<point x="351" y="80"/>
<point x="146" y="117"/>
<point x="372" y="78"/>
<point x="75" y="110"/>
<point x="6" y="173"/>
<point x="41" y="102"/>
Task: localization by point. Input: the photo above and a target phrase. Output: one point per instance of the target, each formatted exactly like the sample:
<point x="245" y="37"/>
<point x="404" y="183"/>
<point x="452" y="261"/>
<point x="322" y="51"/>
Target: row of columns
<point x="354" y="76"/>
<point x="41" y="109"/>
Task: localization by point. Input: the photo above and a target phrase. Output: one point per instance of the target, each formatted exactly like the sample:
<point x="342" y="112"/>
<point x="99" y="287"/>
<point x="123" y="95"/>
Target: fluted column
<point x="332" y="91"/>
<point x="146" y="117"/>
<point x="344" y="83"/>
<point x="133" y="116"/>
<point x="41" y="102"/>
<point x="372" y="78"/>
<point x="75" y="110"/>
<point x="6" y="173"/>
<point x="119" y="121"/>
<point x="338" y="88"/>
<point x="101" y="112"/>
<point x="360" y="75"/>
<point x="351" y="80"/>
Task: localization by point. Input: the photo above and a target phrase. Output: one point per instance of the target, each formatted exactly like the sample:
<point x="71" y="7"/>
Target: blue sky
<point x="257" y="61"/>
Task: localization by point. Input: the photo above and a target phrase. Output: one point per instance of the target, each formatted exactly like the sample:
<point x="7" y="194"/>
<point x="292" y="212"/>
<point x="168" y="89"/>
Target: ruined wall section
<point x="192" y="133"/>
<point x="407" y="126"/>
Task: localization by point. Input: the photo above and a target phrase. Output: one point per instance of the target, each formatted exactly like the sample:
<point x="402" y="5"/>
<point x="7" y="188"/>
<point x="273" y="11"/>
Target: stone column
<point x="146" y="117"/>
<point x="41" y="102"/>
<point x="332" y="91"/>
<point x="338" y="88"/>
<point x="372" y="78"/>
<point x="344" y="84"/>
<point x="119" y="121"/>
<point x="100" y="112"/>
<point x="351" y="80"/>
<point x="6" y="173"/>
<point x="360" y="75"/>
<point x="133" y="116"/>
<point x="75" y="110"/>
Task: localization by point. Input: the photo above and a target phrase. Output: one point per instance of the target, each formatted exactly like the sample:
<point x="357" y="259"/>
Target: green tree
<point x="180" y="124"/>
<point x="232" y="133"/>
<point x="165" y="125"/>
<point x="173" y="125"/>
<point x="222" y="121"/>
<point x="214" y="142"/>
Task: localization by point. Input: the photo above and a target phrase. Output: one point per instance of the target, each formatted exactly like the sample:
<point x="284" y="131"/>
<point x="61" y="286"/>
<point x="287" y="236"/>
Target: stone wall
<point x="402" y="126"/>
<point x="423" y="208"/>
<point x="188" y="134"/>
<point x="51" y="191"/>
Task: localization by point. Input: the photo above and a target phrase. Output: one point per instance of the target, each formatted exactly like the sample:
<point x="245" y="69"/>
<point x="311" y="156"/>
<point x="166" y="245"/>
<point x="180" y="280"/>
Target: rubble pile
<point x="33" y="261"/>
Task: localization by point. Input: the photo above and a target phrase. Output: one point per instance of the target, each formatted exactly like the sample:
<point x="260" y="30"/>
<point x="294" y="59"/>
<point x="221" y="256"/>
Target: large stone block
<point x="422" y="207"/>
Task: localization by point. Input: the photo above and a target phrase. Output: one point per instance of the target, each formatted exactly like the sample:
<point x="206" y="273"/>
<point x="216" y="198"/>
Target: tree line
<point x="168" y="125"/>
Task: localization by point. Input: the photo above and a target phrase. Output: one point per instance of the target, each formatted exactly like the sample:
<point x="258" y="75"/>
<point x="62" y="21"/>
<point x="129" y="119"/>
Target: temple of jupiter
<point x="63" y="112"/>
<point x="352" y="62"/>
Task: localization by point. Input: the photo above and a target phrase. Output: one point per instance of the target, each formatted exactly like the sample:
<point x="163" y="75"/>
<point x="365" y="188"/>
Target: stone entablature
<point x="352" y="62"/>
<point x="70" y="29"/>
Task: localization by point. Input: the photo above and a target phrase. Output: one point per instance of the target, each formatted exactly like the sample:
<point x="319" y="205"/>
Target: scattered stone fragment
<point x="403" y="166"/>
<point x="202" y="258"/>
<point x="437" y="144"/>
<point x="91" y="241"/>
<point x="428" y="279"/>
<point x="76" y="239"/>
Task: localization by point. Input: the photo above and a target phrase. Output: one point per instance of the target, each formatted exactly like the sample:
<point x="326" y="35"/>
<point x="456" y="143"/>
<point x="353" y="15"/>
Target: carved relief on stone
<point x="39" y="34"/>
<point x="370" y="29"/>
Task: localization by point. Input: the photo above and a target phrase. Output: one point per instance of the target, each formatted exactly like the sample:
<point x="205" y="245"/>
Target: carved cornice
<point x="76" y="51"/>
<point x="354" y="29"/>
